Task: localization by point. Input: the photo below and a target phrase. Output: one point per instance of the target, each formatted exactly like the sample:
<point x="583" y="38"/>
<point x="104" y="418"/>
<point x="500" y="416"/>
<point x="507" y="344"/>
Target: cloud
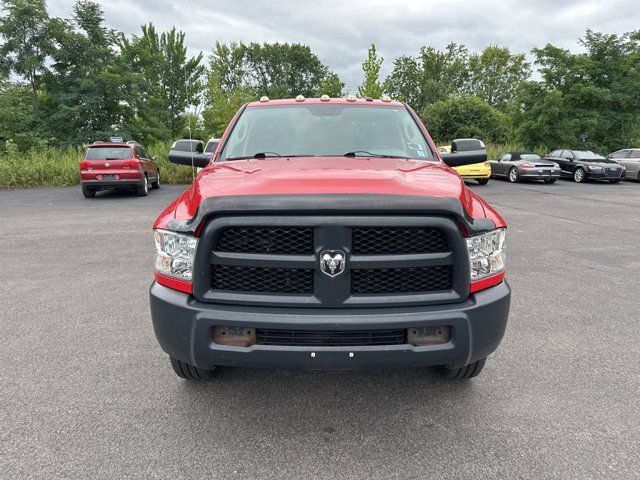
<point x="340" y="32"/>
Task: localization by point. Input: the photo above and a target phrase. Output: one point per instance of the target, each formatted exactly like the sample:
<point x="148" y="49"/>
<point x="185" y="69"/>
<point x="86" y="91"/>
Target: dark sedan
<point x="518" y="166"/>
<point x="585" y="164"/>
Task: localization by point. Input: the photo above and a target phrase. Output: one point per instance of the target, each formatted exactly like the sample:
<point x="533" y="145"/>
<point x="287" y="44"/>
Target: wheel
<point x="189" y="372"/>
<point x="143" y="190"/>
<point x="156" y="185"/>
<point x="468" y="371"/>
<point x="513" y="175"/>
<point x="88" y="192"/>
<point x="615" y="180"/>
<point x="578" y="175"/>
<point x="549" y="180"/>
<point x="482" y="181"/>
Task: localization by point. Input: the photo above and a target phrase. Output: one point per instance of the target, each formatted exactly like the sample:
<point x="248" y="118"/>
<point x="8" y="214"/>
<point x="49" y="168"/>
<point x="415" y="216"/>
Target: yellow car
<point x="480" y="172"/>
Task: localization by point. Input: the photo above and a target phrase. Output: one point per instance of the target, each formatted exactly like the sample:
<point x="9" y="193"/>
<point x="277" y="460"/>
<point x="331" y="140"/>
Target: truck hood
<point x="318" y="176"/>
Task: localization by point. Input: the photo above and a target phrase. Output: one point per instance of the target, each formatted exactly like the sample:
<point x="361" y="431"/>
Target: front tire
<point x="468" y="371"/>
<point x="88" y="192"/>
<point x="578" y="175"/>
<point x="189" y="372"/>
<point x="514" y="177"/>
<point x="482" y="181"/>
<point x="143" y="190"/>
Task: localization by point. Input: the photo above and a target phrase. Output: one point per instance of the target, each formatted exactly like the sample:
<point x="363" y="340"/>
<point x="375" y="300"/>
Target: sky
<point x="340" y="32"/>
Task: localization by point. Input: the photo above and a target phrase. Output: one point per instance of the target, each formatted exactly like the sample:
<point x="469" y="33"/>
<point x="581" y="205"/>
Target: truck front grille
<point x="281" y="240"/>
<point x="401" y="280"/>
<point x="276" y="260"/>
<point x="390" y="240"/>
<point x="323" y="338"/>
<point x="261" y="279"/>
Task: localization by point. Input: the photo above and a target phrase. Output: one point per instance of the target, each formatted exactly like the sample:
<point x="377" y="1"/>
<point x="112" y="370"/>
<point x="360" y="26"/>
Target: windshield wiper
<point x="364" y="153"/>
<point x="255" y="155"/>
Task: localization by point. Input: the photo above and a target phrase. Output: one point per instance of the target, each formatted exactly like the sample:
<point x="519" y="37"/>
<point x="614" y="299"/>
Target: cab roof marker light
<point x="325" y="98"/>
<point x="300" y="98"/>
<point x="385" y="98"/>
<point x="264" y="99"/>
<point x="351" y="98"/>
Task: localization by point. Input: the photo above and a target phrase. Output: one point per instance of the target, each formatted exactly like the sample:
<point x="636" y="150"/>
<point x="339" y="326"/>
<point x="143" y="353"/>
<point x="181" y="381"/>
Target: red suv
<point x="109" y="165"/>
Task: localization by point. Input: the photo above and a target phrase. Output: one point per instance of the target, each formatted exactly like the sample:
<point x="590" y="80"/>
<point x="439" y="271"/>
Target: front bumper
<point x="604" y="175"/>
<point x="184" y="327"/>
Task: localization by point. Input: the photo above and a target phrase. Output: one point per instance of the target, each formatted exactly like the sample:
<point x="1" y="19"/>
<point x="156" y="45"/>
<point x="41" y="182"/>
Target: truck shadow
<point x="348" y="408"/>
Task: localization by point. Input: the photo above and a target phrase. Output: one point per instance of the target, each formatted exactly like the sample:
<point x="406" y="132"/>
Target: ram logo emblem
<point x="332" y="262"/>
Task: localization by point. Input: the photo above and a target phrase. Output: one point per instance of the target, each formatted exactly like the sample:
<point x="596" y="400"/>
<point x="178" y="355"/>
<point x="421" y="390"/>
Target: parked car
<point x="118" y="165"/>
<point x="328" y="234"/>
<point x="629" y="158"/>
<point x="585" y="164"/>
<point x="518" y="166"/>
<point x="211" y="145"/>
<point x="480" y="172"/>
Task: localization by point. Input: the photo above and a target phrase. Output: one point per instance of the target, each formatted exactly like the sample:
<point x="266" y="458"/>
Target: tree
<point x="432" y="76"/>
<point x="17" y="116"/>
<point x="85" y="85"/>
<point x="162" y="83"/>
<point x="371" y="87"/>
<point x="465" y="117"/>
<point x="597" y="92"/>
<point x="495" y="75"/>
<point x="331" y="85"/>
<point x="25" y="31"/>
<point x="240" y="72"/>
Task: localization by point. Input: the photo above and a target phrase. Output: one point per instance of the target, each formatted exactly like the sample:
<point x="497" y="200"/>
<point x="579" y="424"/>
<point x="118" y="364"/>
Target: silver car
<point x="519" y="166"/>
<point x="630" y="158"/>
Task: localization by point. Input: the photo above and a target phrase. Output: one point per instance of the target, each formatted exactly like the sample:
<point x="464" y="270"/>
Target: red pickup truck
<point x="329" y="234"/>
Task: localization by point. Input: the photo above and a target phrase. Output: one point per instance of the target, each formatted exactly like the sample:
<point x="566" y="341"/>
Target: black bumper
<point x="535" y="174"/>
<point x="184" y="326"/>
<point x="104" y="184"/>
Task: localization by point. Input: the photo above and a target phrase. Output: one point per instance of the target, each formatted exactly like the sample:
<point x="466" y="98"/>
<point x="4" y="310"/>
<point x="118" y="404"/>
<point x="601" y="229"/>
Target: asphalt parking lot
<point x="85" y="391"/>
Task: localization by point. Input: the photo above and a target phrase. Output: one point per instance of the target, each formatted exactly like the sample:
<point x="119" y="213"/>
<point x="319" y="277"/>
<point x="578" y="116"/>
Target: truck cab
<point x="328" y="234"/>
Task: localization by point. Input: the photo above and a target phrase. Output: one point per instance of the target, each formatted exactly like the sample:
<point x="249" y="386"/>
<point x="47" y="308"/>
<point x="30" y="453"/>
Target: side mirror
<point x="465" y="151"/>
<point x="189" y="152"/>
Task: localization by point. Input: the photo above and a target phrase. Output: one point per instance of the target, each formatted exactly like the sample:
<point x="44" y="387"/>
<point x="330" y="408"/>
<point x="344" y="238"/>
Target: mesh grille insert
<point x="401" y="280"/>
<point x="397" y="240"/>
<point x="277" y="240"/>
<point x="262" y="279"/>
<point x="350" y="338"/>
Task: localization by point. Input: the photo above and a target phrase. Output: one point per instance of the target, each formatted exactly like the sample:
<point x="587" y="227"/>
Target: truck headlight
<point x="174" y="254"/>
<point x="486" y="253"/>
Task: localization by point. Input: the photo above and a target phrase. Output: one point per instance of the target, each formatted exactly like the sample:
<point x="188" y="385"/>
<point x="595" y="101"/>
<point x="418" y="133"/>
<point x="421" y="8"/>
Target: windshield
<point x="326" y="130"/>
<point x="530" y="156"/>
<point x="587" y="155"/>
<point x="108" y="153"/>
<point x="211" y="146"/>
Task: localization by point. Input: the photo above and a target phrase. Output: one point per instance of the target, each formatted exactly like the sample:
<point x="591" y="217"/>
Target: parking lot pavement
<point x="85" y="391"/>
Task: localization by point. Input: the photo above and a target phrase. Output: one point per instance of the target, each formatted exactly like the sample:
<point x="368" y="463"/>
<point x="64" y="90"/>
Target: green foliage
<point x="432" y="76"/>
<point x="162" y="83"/>
<point x="496" y="74"/>
<point x="331" y="85"/>
<point x="85" y="88"/>
<point x="465" y="117"/>
<point x="371" y="67"/>
<point x="595" y="92"/>
<point x="26" y="31"/>
<point x="239" y="73"/>
<point x="17" y="118"/>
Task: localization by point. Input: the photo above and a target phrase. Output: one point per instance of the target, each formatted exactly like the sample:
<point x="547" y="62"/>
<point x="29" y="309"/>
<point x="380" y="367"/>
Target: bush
<point x="465" y="117"/>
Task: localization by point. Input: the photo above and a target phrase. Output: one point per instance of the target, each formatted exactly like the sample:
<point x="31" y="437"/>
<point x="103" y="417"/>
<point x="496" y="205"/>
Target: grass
<point x="51" y="166"/>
